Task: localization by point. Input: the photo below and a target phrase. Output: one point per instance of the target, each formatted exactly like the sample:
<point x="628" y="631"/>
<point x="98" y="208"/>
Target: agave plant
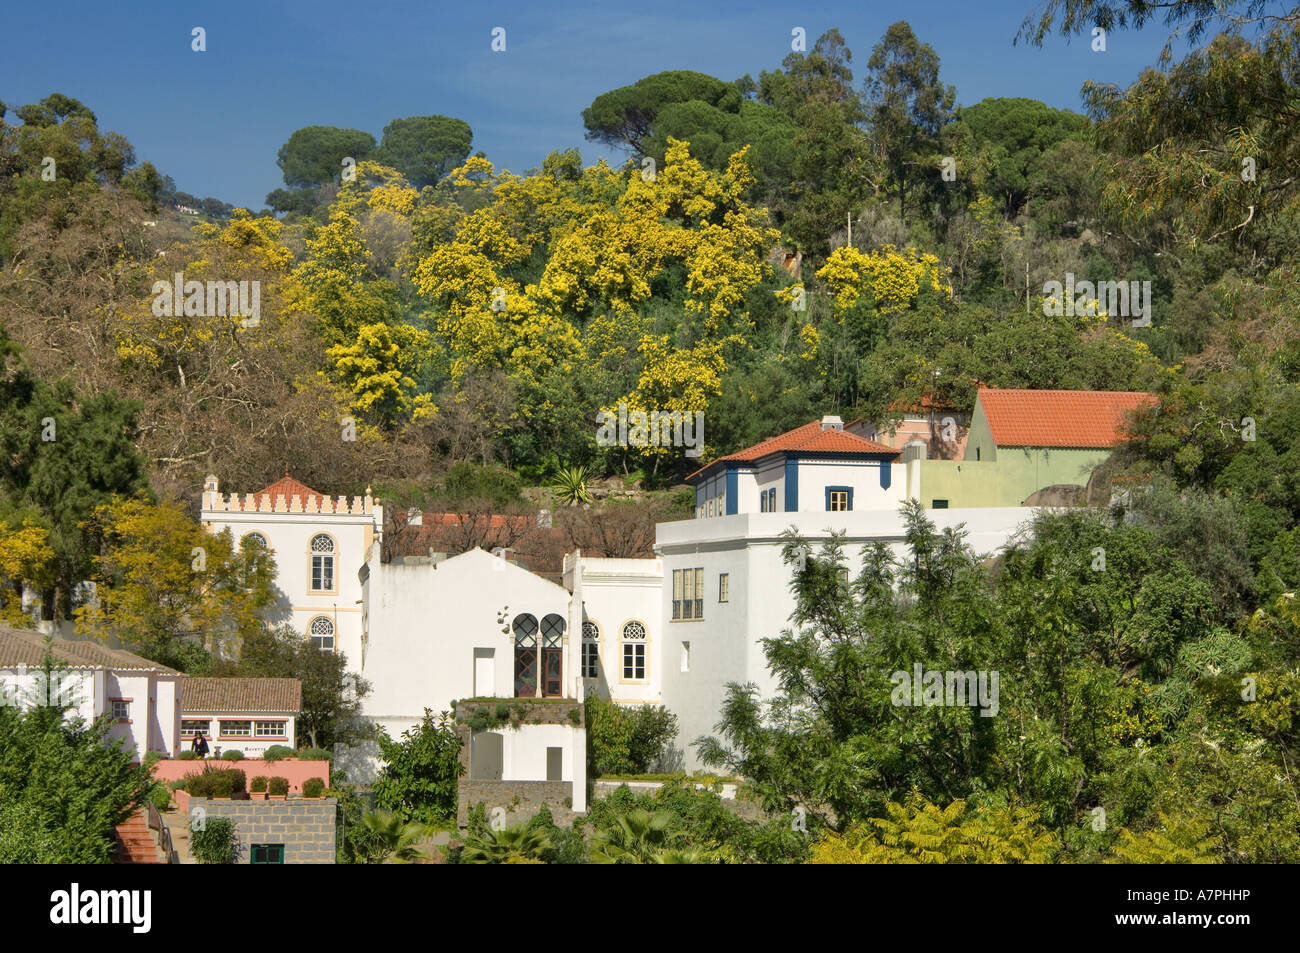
<point x="570" y="485"/>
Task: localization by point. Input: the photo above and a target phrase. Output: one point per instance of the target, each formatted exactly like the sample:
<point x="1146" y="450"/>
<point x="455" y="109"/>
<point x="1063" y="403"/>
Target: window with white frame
<point x="270" y="729"/>
<point x="634" y="640"/>
<point x="837" y="501"/>
<point x="236" y="729"/>
<point x="322" y="633"/>
<point x="322" y="563"/>
<point x="121" y="709"/>
<point x="724" y="586"/>
<point x="192" y="726"/>
<point x="590" y="650"/>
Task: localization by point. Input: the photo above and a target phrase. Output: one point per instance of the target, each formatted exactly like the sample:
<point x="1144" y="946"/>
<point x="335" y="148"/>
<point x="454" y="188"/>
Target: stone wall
<point x="305" y="826"/>
<point x="532" y="795"/>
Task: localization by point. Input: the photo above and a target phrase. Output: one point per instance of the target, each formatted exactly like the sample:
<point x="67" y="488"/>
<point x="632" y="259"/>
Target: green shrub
<point x="278" y="786"/>
<point x="278" y="753"/>
<point x="181" y="785"/>
<point x="258" y="784"/>
<point x="627" y="740"/>
<point x="213" y="841"/>
<point x="313" y="787"/>
<point x="216" y="782"/>
<point x="234" y="754"/>
<point x="502" y="711"/>
<point x="315" y="754"/>
<point x="161" y="797"/>
<point x="187" y="756"/>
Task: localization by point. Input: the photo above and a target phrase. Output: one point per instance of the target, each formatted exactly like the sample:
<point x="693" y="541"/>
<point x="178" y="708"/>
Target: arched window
<point x="634" y="640"/>
<point x="255" y="554"/>
<point x="553" y="655"/>
<point x="322" y="633"/>
<point x="590" y="650"/>
<point x="322" y="563"/>
<point x="525" y="630"/>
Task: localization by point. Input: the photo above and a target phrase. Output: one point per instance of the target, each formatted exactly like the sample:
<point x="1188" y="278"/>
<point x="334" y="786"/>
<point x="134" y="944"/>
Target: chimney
<point x="831" y="422"/>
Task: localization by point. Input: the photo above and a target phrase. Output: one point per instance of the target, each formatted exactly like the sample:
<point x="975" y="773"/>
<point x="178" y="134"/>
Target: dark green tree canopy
<point x="626" y="116"/>
<point x="314" y="154"/>
<point x="1016" y="133"/>
<point x="425" y="148"/>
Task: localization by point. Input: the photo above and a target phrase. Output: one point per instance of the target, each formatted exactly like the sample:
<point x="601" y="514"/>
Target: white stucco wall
<point x="615" y="592"/>
<point x="151" y="724"/>
<point x="726" y="643"/>
<point x="289" y="536"/>
<point x="426" y="621"/>
<point x="862" y="476"/>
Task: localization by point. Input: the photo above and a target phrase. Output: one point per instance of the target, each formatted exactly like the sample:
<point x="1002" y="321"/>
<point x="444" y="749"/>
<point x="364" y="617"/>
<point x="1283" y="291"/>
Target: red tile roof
<point x="1059" y="418"/>
<point x="290" y="487"/>
<point x="810" y="438"/>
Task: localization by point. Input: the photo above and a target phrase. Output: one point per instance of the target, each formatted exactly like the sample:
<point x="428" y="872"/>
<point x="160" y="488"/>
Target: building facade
<point x="319" y="545"/>
<point x="142" y="698"/>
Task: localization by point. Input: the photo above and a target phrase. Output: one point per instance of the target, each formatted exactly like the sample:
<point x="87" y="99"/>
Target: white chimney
<point x="831" y="422"/>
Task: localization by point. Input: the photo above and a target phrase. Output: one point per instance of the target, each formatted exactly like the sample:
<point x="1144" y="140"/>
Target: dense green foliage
<point x="1126" y="691"/>
<point x="626" y="739"/>
<point x="64" y="785"/>
<point x="214" y="841"/>
<point x="420" y="771"/>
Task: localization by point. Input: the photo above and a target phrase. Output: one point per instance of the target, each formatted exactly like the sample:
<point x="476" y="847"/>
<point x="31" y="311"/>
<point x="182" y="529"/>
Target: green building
<point x="1022" y="441"/>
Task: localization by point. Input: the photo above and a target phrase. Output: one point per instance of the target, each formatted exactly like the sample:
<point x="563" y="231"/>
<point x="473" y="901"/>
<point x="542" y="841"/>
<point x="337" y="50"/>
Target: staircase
<point x="136" y="844"/>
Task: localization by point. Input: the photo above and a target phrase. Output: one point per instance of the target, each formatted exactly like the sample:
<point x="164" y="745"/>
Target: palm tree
<point x="389" y="835"/>
<point x="638" y="837"/>
<point x="510" y="845"/>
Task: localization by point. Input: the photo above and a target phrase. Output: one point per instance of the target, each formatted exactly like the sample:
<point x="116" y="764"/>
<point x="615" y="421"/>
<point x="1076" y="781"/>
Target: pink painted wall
<point x="296" y="771"/>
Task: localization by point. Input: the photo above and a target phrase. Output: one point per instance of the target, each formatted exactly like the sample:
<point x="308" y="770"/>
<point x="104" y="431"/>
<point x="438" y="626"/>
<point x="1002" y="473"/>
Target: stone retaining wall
<point x="531" y="794"/>
<point x="305" y="826"/>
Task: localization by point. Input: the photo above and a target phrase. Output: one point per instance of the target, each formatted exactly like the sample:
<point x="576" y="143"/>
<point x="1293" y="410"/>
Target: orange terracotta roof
<point x="1059" y="418"/>
<point x="290" y="487"/>
<point x="810" y="438"/>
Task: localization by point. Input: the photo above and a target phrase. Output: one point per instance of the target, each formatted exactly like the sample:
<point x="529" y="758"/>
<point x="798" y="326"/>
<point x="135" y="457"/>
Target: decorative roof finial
<point x="286" y="469"/>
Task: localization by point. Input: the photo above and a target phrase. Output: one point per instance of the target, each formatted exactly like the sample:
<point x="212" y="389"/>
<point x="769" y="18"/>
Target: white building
<point x="142" y="697"/>
<point x="474" y="626"/>
<point x="622" y="628"/>
<point x="819" y="466"/>
<point x="241" y="714"/>
<point x="319" y="545"/>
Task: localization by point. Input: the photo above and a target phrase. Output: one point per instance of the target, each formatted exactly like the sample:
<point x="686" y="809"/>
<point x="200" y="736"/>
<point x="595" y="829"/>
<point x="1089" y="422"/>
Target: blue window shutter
<point x="791" y="485"/>
<point x="886" y="474"/>
<point x="732" y="483"/>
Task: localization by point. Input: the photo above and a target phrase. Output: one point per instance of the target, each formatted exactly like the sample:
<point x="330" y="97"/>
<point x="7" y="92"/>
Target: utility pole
<point x="1026" y="286"/>
<point x="849" y="243"/>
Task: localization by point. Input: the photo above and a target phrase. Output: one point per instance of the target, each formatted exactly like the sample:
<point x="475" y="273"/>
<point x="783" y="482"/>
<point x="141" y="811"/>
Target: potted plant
<point x="258" y="786"/>
<point x="313" y="787"/>
<point x="277" y="788"/>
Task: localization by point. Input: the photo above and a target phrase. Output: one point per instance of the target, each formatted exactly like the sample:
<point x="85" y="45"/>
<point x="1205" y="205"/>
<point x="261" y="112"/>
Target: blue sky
<point x="215" y="120"/>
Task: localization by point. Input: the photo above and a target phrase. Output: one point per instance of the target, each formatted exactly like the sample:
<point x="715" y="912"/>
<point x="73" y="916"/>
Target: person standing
<point x="200" y="746"/>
